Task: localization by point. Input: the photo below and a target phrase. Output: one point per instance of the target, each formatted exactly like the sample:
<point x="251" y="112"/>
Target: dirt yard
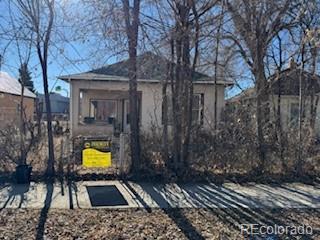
<point x="140" y="224"/>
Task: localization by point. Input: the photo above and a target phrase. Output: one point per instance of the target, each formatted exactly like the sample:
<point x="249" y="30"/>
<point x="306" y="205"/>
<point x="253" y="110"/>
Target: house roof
<point x="11" y="85"/>
<point x="151" y="68"/>
<point x="245" y="94"/>
<point x="54" y="97"/>
<point x="288" y="81"/>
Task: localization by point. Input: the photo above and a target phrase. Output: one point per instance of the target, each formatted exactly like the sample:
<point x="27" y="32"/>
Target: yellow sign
<point x="98" y="144"/>
<point x="94" y="158"/>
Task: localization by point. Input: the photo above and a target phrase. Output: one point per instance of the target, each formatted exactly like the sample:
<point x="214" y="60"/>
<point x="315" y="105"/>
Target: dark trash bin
<point x="23" y="173"/>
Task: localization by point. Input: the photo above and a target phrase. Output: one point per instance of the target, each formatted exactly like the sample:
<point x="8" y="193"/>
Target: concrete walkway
<point x="229" y="195"/>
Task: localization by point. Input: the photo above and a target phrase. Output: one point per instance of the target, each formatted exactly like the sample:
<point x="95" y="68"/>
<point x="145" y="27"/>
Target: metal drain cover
<point x="105" y="196"/>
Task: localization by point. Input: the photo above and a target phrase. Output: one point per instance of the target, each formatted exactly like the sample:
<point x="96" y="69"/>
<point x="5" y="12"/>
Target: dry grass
<point x="139" y="224"/>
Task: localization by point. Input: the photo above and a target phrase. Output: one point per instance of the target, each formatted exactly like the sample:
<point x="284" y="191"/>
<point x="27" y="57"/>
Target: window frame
<point x="293" y="121"/>
<point x="102" y="121"/>
<point x="200" y="110"/>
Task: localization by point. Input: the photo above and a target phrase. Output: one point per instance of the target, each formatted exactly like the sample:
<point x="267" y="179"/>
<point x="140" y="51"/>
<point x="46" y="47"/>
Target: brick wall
<point x="9" y="108"/>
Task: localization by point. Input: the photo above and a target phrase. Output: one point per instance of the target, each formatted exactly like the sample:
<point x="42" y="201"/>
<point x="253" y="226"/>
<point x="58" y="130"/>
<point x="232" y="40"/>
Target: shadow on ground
<point x="16" y="190"/>
<point x="44" y="211"/>
<point x="230" y="207"/>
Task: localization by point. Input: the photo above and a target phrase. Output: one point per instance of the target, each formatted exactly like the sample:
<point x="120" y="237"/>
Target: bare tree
<point x="179" y="24"/>
<point x="310" y="26"/>
<point x="23" y="72"/>
<point x="185" y="33"/>
<point x="39" y="17"/>
<point x="257" y="23"/>
<point x="23" y="77"/>
<point x="309" y="42"/>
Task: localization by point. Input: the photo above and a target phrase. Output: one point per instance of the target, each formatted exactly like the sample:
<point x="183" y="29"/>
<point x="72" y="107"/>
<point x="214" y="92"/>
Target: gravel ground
<point x="140" y="224"/>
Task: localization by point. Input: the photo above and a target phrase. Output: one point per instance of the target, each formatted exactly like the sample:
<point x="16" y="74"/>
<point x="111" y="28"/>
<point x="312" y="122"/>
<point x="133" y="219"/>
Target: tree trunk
<point x="134" y="113"/>
<point x="176" y="105"/>
<point x="43" y="57"/>
<point x="22" y="126"/>
<point x="188" y="74"/>
<point x="262" y="112"/>
<point x="298" y="166"/>
<point x="314" y="100"/>
<point x="50" y="164"/>
<point x="187" y="88"/>
<point x="165" y="146"/>
<point x="165" y="122"/>
<point x="132" y="30"/>
<point x="279" y="125"/>
<point x="216" y="78"/>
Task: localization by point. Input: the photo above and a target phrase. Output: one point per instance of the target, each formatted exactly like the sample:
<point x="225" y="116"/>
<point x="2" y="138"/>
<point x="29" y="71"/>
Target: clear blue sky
<point x="65" y="57"/>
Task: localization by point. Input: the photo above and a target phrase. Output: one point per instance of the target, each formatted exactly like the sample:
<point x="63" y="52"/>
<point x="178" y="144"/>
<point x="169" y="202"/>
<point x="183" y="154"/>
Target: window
<point x="103" y="110"/>
<point x="294" y="114"/>
<point x="197" y="109"/>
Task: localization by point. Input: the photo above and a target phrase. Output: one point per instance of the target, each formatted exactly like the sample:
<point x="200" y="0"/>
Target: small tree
<point x="39" y="18"/>
<point x="23" y="78"/>
<point x="26" y="77"/>
<point x="23" y="136"/>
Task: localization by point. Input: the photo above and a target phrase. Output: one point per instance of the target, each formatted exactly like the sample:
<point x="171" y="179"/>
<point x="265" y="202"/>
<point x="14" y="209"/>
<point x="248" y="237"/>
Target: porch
<point x="97" y="112"/>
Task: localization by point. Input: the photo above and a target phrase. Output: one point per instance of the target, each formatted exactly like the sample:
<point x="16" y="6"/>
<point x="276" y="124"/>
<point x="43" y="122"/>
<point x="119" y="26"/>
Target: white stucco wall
<point x="151" y="103"/>
<point x="286" y="104"/>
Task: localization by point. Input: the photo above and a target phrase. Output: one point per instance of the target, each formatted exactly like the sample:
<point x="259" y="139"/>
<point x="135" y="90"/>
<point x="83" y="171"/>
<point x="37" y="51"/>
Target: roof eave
<point x="69" y="78"/>
<point x="13" y="94"/>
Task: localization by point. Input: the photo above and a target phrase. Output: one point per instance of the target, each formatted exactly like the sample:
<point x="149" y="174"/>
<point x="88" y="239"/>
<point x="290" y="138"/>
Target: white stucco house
<point x="285" y="84"/>
<point x="99" y="98"/>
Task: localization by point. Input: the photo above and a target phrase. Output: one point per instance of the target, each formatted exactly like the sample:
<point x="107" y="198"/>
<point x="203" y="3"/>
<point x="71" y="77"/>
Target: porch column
<point x="74" y="108"/>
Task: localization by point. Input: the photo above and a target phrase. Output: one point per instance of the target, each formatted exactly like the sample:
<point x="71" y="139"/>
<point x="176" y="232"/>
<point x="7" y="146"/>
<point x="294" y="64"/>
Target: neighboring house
<point x="10" y="96"/>
<point x="99" y="98"/>
<point x="59" y="105"/>
<point x="287" y="85"/>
